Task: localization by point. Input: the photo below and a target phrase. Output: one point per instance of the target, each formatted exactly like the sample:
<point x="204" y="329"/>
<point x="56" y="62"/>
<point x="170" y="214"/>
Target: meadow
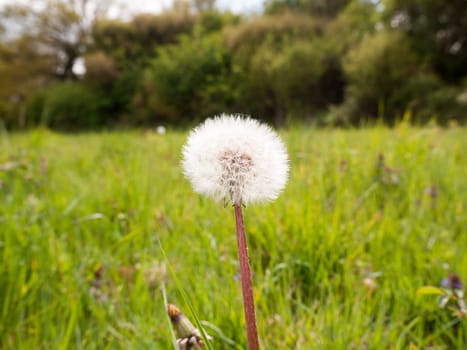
<point x="92" y="224"/>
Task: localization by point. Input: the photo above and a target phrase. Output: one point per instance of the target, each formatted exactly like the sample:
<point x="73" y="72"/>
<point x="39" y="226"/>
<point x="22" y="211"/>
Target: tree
<point x="189" y="80"/>
<point x="204" y="5"/>
<point x="22" y="70"/>
<point x="317" y="8"/>
<point x="58" y="27"/>
<point x="197" y="6"/>
<point x="377" y="70"/>
<point x="134" y="42"/>
<point x="438" y="30"/>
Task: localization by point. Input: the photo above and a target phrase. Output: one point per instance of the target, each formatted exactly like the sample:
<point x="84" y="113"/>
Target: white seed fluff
<point x="235" y="158"/>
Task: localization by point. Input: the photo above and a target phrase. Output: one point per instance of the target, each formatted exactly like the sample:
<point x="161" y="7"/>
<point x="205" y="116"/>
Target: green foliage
<point x="115" y="87"/>
<point x="301" y="72"/>
<point x="214" y="21"/>
<point x="122" y="51"/>
<point x="298" y="79"/>
<point x="315" y="8"/>
<point x="190" y="80"/>
<point x="437" y="30"/>
<point x="35" y="107"/>
<point x="100" y="68"/>
<point x="368" y="217"/>
<point x="375" y="70"/>
<point x="278" y="29"/>
<point x="356" y="21"/>
<point x="160" y="29"/>
<point x="135" y="42"/>
<point x="68" y="105"/>
<point x="114" y="38"/>
<point x="281" y="61"/>
<point x="23" y="70"/>
<point x="385" y="78"/>
<point x="450" y="297"/>
<point x="429" y="98"/>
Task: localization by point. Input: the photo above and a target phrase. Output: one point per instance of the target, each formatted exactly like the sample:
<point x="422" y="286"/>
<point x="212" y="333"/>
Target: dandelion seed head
<point x="161" y="130"/>
<point x="235" y="158"/>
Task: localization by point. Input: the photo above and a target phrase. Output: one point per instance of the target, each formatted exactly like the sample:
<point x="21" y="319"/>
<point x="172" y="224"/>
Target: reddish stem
<point x="245" y="274"/>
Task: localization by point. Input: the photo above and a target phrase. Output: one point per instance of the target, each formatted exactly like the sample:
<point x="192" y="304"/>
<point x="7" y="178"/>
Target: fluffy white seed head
<point x="235" y="158"/>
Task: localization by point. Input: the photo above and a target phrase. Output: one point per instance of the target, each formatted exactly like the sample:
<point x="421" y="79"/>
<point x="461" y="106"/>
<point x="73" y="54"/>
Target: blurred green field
<point x="367" y="218"/>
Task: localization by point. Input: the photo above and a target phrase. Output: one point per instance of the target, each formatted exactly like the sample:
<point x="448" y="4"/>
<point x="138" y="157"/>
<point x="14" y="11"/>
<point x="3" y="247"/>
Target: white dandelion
<point x="236" y="158"/>
<point x="161" y="130"/>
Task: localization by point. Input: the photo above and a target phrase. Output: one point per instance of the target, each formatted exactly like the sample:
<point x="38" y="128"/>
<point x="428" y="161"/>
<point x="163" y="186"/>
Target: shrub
<point x="71" y="105"/>
<point x="114" y="87"/>
<point x="301" y="74"/>
<point x="4" y="114"/>
<point x="250" y="35"/>
<point x="35" y="108"/>
<point x="213" y="21"/>
<point x="385" y="80"/>
<point x="376" y="70"/>
<point x="282" y="61"/>
<point x="187" y="81"/>
<point x="327" y="9"/>
<point x="100" y="68"/>
<point x="133" y="42"/>
<point x="437" y="30"/>
<point x="357" y="20"/>
<point x="299" y="78"/>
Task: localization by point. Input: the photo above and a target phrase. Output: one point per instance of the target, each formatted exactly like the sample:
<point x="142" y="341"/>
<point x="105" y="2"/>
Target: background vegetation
<point x="368" y="217"/>
<point x="326" y="62"/>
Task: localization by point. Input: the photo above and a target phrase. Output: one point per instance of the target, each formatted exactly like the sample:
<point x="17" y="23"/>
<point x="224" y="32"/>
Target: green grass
<point x="70" y="204"/>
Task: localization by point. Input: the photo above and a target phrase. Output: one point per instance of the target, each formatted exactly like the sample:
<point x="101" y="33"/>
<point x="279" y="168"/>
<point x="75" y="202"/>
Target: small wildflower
<point x="453" y="282"/>
<point x="99" y="286"/>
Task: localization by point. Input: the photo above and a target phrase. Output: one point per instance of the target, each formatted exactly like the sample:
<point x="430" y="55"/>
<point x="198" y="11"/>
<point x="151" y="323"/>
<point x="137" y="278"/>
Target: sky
<point x="138" y="6"/>
<point x="236" y="6"/>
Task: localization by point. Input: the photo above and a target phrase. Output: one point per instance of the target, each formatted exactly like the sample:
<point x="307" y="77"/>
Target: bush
<point x="300" y="78"/>
<point x="188" y="81"/>
<point x="282" y="61"/>
<point x="35" y="108"/>
<point x="214" y="21"/>
<point x="116" y="88"/>
<point x="67" y="105"/>
<point x="100" y="68"/>
<point x="354" y="22"/>
<point x="385" y="79"/>
<point x="246" y="38"/>
<point x="302" y="72"/>
<point x="376" y="70"/>
<point x="133" y="42"/>
<point x="4" y="114"/>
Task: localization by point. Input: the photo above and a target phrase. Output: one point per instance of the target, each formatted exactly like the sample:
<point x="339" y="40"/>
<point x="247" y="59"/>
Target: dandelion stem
<point x="245" y="273"/>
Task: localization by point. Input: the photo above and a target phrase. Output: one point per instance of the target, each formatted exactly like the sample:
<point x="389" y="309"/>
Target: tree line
<point x="325" y="62"/>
